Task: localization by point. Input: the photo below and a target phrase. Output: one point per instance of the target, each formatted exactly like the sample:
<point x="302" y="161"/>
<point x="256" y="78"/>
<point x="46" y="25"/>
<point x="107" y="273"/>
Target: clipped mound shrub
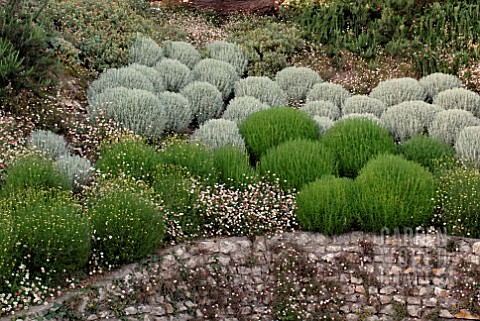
<point x="322" y="108"/>
<point x="49" y="142"/>
<point x="438" y="82"/>
<point x="298" y="162"/>
<point x="205" y="100"/>
<point x="178" y="111"/>
<point x="448" y="124"/>
<point x="218" y="73"/>
<point x="174" y="74"/>
<point x="218" y="133"/>
<point x="330" y="92"/>
<point x="459" y="98"/>
<point x="368" y="116"/>
<point x="239" y="108"/>
<point x="327" y="205"/>
<point x="230" y="53"/>
<point x="271" y="127"/>
<point x="394" y="193"/>
<point x="152" y="74"/>
<point x="296" y="82"/>
<point x="262" y="88"/>
<point x="395" y="91"/>
<point x="233" y="166"/>
<point x="132" y="109"/>
<point x="145" y="51"/>
<point x="78" y="169"/>
<point x="468" y="143"/>
<point x="356" y="141"/>
<point x="323" y="123"/>
<point x="360" y="104"/>
<point x="183" y="52"/>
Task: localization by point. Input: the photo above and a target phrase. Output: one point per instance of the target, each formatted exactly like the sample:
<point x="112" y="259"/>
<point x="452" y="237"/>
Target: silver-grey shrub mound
<point x="468" y="143"/>
<point x="78" y="169"/>
<point x="218" y="133"/>
<point x="459" y="98"/>
<point x="205" y="100"/>
<point x="330" y="92"/>
<point x="152" y="74"/>
<point x="218" y="73"/>
<point x="231" y="53"/>
<point x="145" y="51"/>
<point x="296" y="82"/>
<point x="183" y="52"/>
<point x="396" y="91"/>
<point x="262" y="88"/>
<point x="134" y="109"/>
<point x="175" y="75"/>
<point x="438" y="82"/>
<point x="370" y="116"/>
<point x="323" y="123"/>
<point x="322" y="108"/>
<point x="448" y="124"/>
<point x="239" y="108"/>
<point x="49" y="142"/>
<point x="360" y="104"/>
<point x="178" y="111"/>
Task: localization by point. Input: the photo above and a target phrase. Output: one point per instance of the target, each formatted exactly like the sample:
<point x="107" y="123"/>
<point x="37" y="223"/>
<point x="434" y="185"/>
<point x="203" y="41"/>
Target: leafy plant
<point x="438" y="82"/>
<point x="152" y="74"/>
<point x="468" y="143"/>
<point x="233" y="166"/>
<point x="362" y="105"/>
<point x="459" y="98"/>
<point x="323" y="123"/>
<point x="78" y="169"/>
<point x="49" y="142"/>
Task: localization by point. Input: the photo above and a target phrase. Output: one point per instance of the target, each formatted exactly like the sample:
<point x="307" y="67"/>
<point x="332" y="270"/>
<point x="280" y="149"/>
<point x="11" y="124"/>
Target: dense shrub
<point x="145" y="51"/>
<point x="363" y="105"/>
<point x="368" y="116"/>
<point x="233" y="166"/>
<point x="218" y="133"/>
<point x="322" y="108"/>
<point x="448" y="124"/>
<point x="296" y="82"/>
<point x="323" y="123"/>
<point x="298" y="162"/>
<point x="329" y="92"/>
<point x="355" y="142"/>
<point x="468" y="143"/>
<point x="52" y="144"/>
<point x="401" y="122"/>
<point x="327" y="205"/>
<point x="8" y="239"/>
<point x="271" y="127"/>
<point x="438" y="82"/>
<point x="175" y="75"/>
<point x="78" y="169"/>
<point x="205" y="99"/>
<point x="459" y="98"/>
<point x="152" y="74"/>
<point x="218" y="73"/>
<point x="239" y="108"/>
<point x="183" y="52"/>
<point x="395" y="91"/>
<point x="262" y="88"/>
<point x="230" y="53"/>
<point x="178" y="110"/>
<point x="394" y="193"/>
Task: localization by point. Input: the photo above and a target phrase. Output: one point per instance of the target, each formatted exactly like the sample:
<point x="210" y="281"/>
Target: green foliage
<point x="394" y="193"/>
<point x="230" y="53"/>
<point x="355" y="142"/>
<point x="368" y="116"/>
<point x="329" y="92"/>
<point x="205" y="99"/>
<point x="152" y="74"/>
<point x="178" y="110"/>
<point x="323" y="123"/>
<point x="145" y="51"/>
<point x="322" y="108"/>
<point x="271" y="127"/>
<point x="233" y="166"/>
<point x="10" y="64"/>
<point x="459" y="98"/>
<point x="174" y="74"/>
<point x="218" y="73"/>
<point x="78" y="169"/>
<point x="448" y="124"/>
<point x="296" y="82"/>
<point x="327" y="205"/>
<point x="438" y="82"/>
<point x="468" y="143"/>
<point x="363" y="105"/>
<point x="395" y="91"/>
<point x="262" y="88"/>
<point x="8" y="238"/>
<point x="52" y="144"/>
<point x="218" y="133"/>
<point x="183" y="52"/>
<point x="298" y="162"/>
<point x="239" y="108"/>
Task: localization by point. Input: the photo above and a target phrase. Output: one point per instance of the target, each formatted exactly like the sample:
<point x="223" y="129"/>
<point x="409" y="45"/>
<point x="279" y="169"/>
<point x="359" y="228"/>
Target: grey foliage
<point x="183" y="52"/>
<point x="78" y="169"/>
<point x="396" y="91"/>
<point x="152" y="74"/>
<point x="230" y="53"/>
<point x="175" y="75"/>
<point x="145" y="51"/>
<point x="330" y="92"/>
<point x="437" y="82"/>
<point x="370" y="116"/>
<point x="296" y="82"/>
<point x="218" y="133"/>
<point x="218" y="73"/>
<point x="402" y="123"/>
<point x="323" y="123"/>
<point x="468" y="143"/>
<point x="178" y="111"/>
<point x="49" y="142"/>
<point x="363" y="104"/>
<point x="448" y="124"/>
<point x="239" y="108"/>
<point x="459" y="98"/>
<point x="205" y="100"/>
<point x="322" y="108"/>
<point x="262" y="88"/>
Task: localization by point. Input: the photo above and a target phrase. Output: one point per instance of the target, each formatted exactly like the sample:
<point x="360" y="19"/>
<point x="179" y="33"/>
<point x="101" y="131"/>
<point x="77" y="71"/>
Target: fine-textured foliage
<point x="218" y="133"/>
<point x="327" y="205"/>
<point x="298" y="162"/>
<point x="233" y="166"/>
<point x="8" y="239"/>
<point x="271" y="127"/>
<point x="448" y="124"/>
<point x="323" y="123"/>
<point x="437" y="82"/>
<point x="459" y="98"/>
<point x="394" y="193"/>
<point x="239" y="108"/>
<point x="230" y="53"/>
<point x="178" y="111"/>
<point x="468" y="143"/>
<point x="322" y="108"/>
<point x="52" y="144"/>
<point x="218" y="73"/>
<point x="368" y="116"/>
<point x="330" y="92"/>
<point x="183" y="52"/>
<point x="395" y="91"/>
<point x="152" y="74"/>
<point x="362" y="105"/>
<point x="145" y="51"/>
<point x="78" y="169"/>
<point x="296" y="82"/>
<point x="175" y="75"/>
<point x="205" y="100"/>
<point x="262" y="88"/>
<point x="355" y="142"/>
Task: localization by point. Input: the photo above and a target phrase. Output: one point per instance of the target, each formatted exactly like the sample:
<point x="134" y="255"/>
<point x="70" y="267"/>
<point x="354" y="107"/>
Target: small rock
<point x="131" y="311"/>
<point x="445" y="314"/>
<point x="387" y="290"/>
<point x="355" y="280"/>
<point x="352" y="317"/>
<point x="414" y="310"/>
<point x="430" y="302"/>
<point x="144" y="309"/>
<point x="159" y="311"/>
<point x="476" y="248"/>
<point x="92" y="317"/>
<point x="169" y="308"/>
<point x="388" y="309"/>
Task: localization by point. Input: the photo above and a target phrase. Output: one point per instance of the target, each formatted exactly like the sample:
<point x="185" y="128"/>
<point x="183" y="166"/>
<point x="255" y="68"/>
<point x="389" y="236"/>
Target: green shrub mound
<point x="78" y="169"/>
<point x="178" y="111"/>
<point x="271" y="127"/>
<point x="355" y="142"/>
<point x="459" y="98"/>
<point x="145" y="51"/>
<point x="133" y="109"/>
<point x="49" y="142"/>
<point x="468" y="143"/>
<point x="323" y="124"/>
<point x="322" y="108"/>
<point x="230" y="53"/>
<point x="233" y="166"/>
<point x="438" y="82"/>
<point x="448" y="124"/>
<point x="239" y="108"/>
<point x="218" y="133"/>
<point x="360" y="104"/>
<point x="218" y="73"/>
<point x="298" y="162"/>
<point x="368" y="116"/>
<point x="296" y="82"/>
<point x="425" y="150"/>
<point x="394" y="193"/>
<point x="152" y="74"/>
<point x="205" y="100"/>
<point x="262" y="88"/>
<point x="174" y="74"/>
<point x="183" y="52"/>
<point x="395" y="91"/>
<point x="327" y="205"/>
<point x="330" y="92"/>
<point x="8" y="239"/>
